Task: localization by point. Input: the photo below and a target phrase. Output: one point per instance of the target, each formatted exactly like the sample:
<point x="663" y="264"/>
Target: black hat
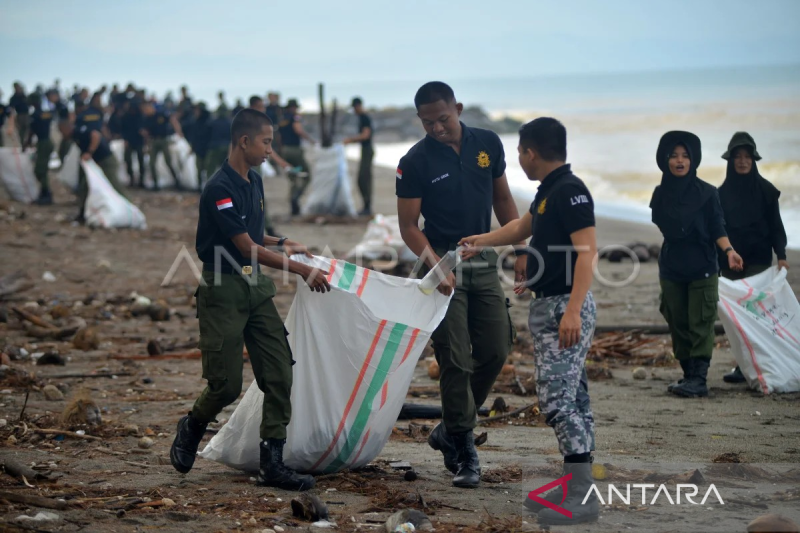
<point x="670" y="140"/>
<point x="741" y="138"/>
<point x="292" y="103"/>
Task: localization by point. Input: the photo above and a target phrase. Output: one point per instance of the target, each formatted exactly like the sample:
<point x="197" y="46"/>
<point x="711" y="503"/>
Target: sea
<point x="614" y="122"/>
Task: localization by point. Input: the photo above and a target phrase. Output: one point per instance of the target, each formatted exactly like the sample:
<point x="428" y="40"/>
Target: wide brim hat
<point x="741" y="138"/>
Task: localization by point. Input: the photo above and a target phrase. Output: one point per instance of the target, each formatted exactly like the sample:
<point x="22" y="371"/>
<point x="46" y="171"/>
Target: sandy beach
<point x="641" y="430"/>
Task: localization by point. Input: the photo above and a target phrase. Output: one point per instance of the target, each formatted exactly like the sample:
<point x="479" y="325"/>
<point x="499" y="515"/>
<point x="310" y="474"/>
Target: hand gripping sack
<point x="105" y="207"/>
<point x="16" y="173"/>
<point x="356" y="349"/>
<point x="761" y="317"/>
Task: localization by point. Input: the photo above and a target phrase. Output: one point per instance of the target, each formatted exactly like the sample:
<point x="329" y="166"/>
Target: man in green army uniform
<point x="219" y="140"/>
<point x="156" y="132"/>
<point x="40" y="127"/>
<point x="235" y="305"/>
<point x="292" y="134"/>
<point x="453" y="178"/>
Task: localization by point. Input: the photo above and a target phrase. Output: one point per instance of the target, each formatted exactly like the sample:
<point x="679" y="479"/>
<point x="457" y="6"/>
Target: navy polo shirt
<point x="456" y="189"/>
<point x="157" y="125"/>
<point x="230" y="206"/>
<point x="286" y="127"/>
<point x="20" y="103"/>
<point x="40" y="124"/>
<point x="92" y="118"/>
<point x="561" y="207"/>
<point x="83" y="138"/>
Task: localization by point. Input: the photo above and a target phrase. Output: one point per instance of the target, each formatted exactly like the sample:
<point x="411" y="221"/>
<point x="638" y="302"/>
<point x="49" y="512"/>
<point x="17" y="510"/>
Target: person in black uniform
<point x="688" y="213"/>
<point x="21" y="106"/>
<point x="198" y="140"/>
<point x="292" y="133"/>
<point x="219" y="140"/>
<point x="132" y="124"/>
<point x="238" y="107"/>
<point x="235" y="305"/>
<point x="367" y="153"/>
<point x="156" y="132"/>
<point x="454" y="177"/>
<point x="752" y="217"/>
<point x="40" y="127"/>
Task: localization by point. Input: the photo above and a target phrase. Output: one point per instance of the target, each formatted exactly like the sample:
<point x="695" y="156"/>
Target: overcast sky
<point x="245" y="46"/>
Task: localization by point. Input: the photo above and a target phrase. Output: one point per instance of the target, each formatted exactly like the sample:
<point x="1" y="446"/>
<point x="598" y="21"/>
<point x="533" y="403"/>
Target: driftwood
<point x="515" y="412"/>
<point x="65" y="433"/>
<point x="34" y="501"/>
<point x="57" y="334"/>
<point x="84" y="376"/>
<point x="16" y="282"/>
<point x="16" y="469"/>
<point x="33" y="319"/>
<point x="648" y="329"/>
<point x="188" y="355"/>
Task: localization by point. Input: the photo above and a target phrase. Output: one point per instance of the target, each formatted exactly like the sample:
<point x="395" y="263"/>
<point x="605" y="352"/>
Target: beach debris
<point x="86" y="339"/>
<point x="48" y="276"/>
<point x="630" y="346"/>
<point x="772" y="523"/>
<point x="41" y="516"/>
<point x="498" y="406"/>
<point x="639" y="373"/>
<point x="399" y="521"/>
<point x="51" y="358"/>
<point x="81" y="409"/>
<point x="146" y="443"/>
<point x="433" y="370"/>
<point x="52" y="393"/>
<point x="12" y="283"/>
<point x="728" y="457"/>
<point x="410" y="475"/>
<point x="309" y="507"/>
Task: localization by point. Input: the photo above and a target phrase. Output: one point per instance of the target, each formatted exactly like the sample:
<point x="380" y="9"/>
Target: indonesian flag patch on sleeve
<point x="225" y="203"/>
<point x="399" y="174"/>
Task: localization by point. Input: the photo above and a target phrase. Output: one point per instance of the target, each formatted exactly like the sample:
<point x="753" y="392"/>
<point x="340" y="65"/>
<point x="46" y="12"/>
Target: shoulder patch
<point x="225" y="203"/>
<point x="542" y="207"/>
<point x="399" y="174"/>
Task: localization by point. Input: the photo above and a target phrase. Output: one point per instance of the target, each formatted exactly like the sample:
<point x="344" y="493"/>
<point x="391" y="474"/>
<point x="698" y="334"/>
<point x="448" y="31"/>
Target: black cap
<point x="292" y="103"/>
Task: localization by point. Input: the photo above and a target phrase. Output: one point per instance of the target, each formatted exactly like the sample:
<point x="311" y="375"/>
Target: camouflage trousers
<point x="561" y="382"/>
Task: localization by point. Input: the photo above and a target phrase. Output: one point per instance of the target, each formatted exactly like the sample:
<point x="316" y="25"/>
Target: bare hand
<point x="569" y="331"/>
<point x="447" y="286"/>
<point x="783" y="263"/>
<point x="471" y="247"/>
<point x="735" y="261"/>
<point x="291" y="248"/>
<point x="520" y="274"/>
<point x="317" y="280"/>
<point x="85" y="156"/>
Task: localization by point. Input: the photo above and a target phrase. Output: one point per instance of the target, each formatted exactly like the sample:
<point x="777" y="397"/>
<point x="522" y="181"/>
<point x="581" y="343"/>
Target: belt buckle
<point x="247" y="270"/>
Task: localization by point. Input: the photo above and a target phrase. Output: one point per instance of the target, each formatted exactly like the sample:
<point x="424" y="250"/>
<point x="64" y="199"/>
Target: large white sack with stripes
<point x="105" y="207"/>
<point x="761" y="317"/>
<point x="69" y="173"/>
<point x="16" y="172"/>
<point x="356" y="349"/>
<point x="329" y="190"/>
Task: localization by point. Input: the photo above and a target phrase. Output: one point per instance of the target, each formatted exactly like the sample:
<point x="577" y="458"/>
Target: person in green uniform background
<point x="235" y="305"/>
<point x="367" y="153"/>
<point x="292" y="135"/>
<point x="156" y="131"/>
<point x="40" y="128"/>
<point x="21" y="106"/>
<point x="472" y="342"/>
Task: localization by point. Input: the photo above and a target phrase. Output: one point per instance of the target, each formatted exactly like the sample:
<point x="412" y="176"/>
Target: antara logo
<point x="690" y="491"/>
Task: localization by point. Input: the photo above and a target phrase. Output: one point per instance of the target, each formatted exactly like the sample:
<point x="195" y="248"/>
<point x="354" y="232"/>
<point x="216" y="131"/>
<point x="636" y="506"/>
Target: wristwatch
<point x="728" y="249"/>
<point x="281" y="241"/>
<point x="520" y="251"/>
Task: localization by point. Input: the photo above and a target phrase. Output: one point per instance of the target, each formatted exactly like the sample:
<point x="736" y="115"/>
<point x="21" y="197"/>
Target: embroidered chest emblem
<point x="542" y="207"/>
<point x="483" y="159"/>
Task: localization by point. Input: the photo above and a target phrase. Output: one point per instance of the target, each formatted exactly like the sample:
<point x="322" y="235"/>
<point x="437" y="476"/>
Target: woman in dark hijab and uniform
<point x="687" y="210"/>
<point x="752" y="216"/>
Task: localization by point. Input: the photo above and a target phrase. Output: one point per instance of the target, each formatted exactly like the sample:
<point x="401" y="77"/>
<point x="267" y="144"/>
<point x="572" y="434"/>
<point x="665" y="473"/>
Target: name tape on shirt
<point x="225" y="203"/>
<point x="398" y="174"/>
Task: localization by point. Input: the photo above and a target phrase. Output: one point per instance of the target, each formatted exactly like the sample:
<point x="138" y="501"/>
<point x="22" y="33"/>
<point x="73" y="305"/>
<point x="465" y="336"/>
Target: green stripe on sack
<point x="364" y="410"/>
<point x="348" y="274"/>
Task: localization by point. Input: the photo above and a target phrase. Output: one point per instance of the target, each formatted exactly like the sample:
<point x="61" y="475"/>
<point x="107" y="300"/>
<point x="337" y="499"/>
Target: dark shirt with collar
<point x="275" y="113"/>
<point x="456" y="189"/>
<point x="219" y="132"/>
<point x="562" y="206"/>
<point x="157" y="125"/>
<point x="92" y="118"/>
<point x="40" y="124"/>
<point x="230" y="206"/>
<point x="83" y="138"/>
<point x="289" y="137"/>
<point x="132" y="124"/>
<point x="20" y="103"/>
<point x="364" y="121"/>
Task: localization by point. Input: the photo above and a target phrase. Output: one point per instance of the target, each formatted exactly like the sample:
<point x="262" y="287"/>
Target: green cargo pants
<point x="110" y="167"/>
<point x="365" y="176"/>
<point x="157" y="146"/>
<point x="128" y="157"/>
<point x="233" y="314"/>
<point x="23" y="123"/>
<point x="294" y="156"/>
<point x="214" y="159"/>
<point x="44" y="147"/>
<point x="749" y="270"/>
<point x="691" y="310"/>
<point x="472" y="342"/>
<point x="63" y="147"/>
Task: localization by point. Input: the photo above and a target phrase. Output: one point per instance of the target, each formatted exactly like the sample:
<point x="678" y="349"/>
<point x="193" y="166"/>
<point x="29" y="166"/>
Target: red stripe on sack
<point x="410" y="345"/>
<point x="21" y="177"/>
<point x="332" y="268"/>
<point x="384" y="394"/>
<point x="363" y="282"/>
<point x="353" y="394"/>
<point x="764" y="388"/>
<point x="777" y="323"/>
<point x="361" y="448"/>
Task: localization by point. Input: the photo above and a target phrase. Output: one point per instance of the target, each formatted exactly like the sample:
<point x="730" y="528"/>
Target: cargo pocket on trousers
<point x="709" y="310"/>
<point x="512" y="330"/>
<point x="213" y="360"/>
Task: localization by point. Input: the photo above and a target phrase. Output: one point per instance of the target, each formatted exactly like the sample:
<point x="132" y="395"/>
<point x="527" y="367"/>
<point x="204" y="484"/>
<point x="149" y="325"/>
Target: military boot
<point x="469" y="468"/>
<point x="577" y="490"/>
<point x="695" y="385"/>
<point x="735" y="376"/>
<point x="273" y="473"/>
<point x="187" y="439"/>
<point x="440" y="441"/>
<point x="685" y="366"/>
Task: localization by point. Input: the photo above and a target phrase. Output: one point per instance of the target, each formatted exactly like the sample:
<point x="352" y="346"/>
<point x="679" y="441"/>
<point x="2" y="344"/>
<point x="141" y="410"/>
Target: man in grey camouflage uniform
<point x="563" y="313"/>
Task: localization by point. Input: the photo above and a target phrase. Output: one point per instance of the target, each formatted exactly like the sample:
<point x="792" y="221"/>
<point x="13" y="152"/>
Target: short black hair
<point x="433" y="91"/>
<point x="356" y="101"/>
<point x="547" y="136"/>
<point x="248" y="122"/>
<point x="255" y="99"/>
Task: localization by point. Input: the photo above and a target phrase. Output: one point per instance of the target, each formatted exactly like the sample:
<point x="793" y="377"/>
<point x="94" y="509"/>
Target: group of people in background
<point x="145" y="124"/>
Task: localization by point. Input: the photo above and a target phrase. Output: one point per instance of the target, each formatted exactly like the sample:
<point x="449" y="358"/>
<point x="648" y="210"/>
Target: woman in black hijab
<point x="752" y="216"/>
<point x="687" y="210"/>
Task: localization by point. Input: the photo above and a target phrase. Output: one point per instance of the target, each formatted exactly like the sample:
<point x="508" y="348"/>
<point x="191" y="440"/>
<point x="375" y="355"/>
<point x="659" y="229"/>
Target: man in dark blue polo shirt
<point x="235" y="306"/>
<point x="563" y="313"/>
<point x="454" y="177"/>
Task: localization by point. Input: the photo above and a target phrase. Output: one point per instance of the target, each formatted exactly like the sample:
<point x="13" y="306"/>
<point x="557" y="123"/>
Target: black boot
<point x="695" y="385"/>
<point x="273" y="473"/>
<point x="685" y="366"/>
<point x="577" y="489"/>
<point x="555" y="496"/>
<point x="184" y="447"/>
<point x="469" y="468"/>
<point x="440" y="441"/>
<point x="295" y="207"/>
<point x="735" y="376"/>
